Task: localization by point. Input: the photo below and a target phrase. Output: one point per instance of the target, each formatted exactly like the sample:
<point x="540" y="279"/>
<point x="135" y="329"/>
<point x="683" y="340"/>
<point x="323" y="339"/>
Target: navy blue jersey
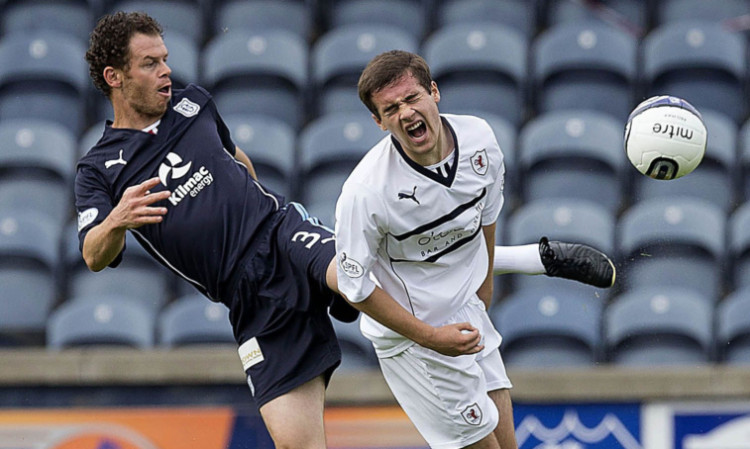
<point x="216" y="209"/>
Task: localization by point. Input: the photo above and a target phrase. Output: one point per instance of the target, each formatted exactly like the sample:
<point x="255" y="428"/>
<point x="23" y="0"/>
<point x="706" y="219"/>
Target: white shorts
<point x="446" y="397"/>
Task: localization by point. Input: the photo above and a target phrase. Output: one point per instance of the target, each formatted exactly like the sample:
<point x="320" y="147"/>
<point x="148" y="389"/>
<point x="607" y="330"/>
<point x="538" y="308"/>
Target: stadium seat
<point x="263" y="72"/>
<point x="743" y="162"/>
<point x="722" y="11"/>
<point x="271" y="146"/>
<point x="194" y="320"/>
<point x="654" y="326"/>
<point x="542" y="327"/>
<point x="295" y="16"/>
<point x="713" y="180"/>
<point x="673" y="242"/>
<point x="700" y="62"/>
<point x="184" y="55"/>
<point x="37" y="148"/>
<point x="738" y="244"/>
<point x="517" y="14"/>
<point x="48" y="197"/>
<point x="43" y="76"/>
<point x="585" y="65"/>
<point x="409" y="16"/>
<point x="479" y="66"/>
<point x="26" y="298"/>
<point x="185" y="17"/>
<point x="733" y="327"/>
<point x="632" y="16"/>
<point x="572" y="155"/>
<point x="357" y="352"/>
<point x="71" y="17"/>
<point x="29" y="239"/>
<point x="138" y="273"/>
<point x="330" y="147"/>
<point x="339" y="56"/>
<point x="111" y="320"/>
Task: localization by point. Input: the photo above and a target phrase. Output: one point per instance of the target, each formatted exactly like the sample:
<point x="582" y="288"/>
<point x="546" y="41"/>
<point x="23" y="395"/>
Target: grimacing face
<point x="410" y="113"/>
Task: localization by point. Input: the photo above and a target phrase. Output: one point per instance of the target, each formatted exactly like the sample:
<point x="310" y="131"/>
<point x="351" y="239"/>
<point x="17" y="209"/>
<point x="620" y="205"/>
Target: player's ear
<point x="434" y="92"/>
<point x="379" y="122"/>
<point x="112" y="76"/>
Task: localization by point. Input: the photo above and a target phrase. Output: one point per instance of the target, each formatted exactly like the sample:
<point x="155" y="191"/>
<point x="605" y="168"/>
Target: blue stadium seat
<point x="357" y="352"/>
<point x="111" y="320"/>
<point x="573" y="155"/>
<point x="542" y="327"/>
<point x="26" y="298"/>
<point x="699" y="61"/>
<point x="585" y="65"/>
<point x="37" y="148"/>
<point x="738" y="244"/>
<point x="71" y="17"/>
<point x="48" y="197"/>
<point x="43" y="76"/>
<point x="263" y="72"/>
<point x="139" y="274"/>
<point x="517" y="14"/>
<point x="721" y="11"/>
<point x="673" y="242"/>
<point x="479" y="66"/>
<point x="271" y="146"/>
<point x="295" y="16"/>
<point x="632" y="16"/>
<point x="733" y="327"/>
<point x="29" y="239"/>
<point x="743" y="162"/>
<point x="713" y="180"/>
<point x="194" y="320"/>
<point x="659" y="325"/>
<point x="330" y="147"/>
<point x="339" y="56"/>
<point x="185" y="17"/>
<point x="410" y="16"/>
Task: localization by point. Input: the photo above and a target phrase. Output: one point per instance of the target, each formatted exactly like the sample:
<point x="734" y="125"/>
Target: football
<point x="665" y="137"/>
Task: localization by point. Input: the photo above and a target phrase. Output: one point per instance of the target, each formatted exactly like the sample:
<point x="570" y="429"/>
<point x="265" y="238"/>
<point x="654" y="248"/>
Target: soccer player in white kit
<point x="417" y="218"/>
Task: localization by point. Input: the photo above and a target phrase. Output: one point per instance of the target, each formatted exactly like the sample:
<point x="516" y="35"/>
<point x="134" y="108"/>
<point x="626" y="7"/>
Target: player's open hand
<point x="455" y="339"/>
<point x="136" y="208"/>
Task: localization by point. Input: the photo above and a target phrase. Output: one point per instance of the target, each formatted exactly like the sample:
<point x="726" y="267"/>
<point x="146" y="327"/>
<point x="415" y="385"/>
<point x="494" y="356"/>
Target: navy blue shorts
<point x="280" y="308"/>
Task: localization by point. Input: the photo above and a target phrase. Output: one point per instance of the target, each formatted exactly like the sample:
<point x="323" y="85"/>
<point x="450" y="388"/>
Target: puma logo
<point x="411" y="196"/>
<point x="119" y="160"/>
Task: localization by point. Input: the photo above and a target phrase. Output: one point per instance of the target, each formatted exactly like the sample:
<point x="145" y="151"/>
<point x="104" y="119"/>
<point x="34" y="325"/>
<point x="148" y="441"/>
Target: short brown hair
<point x="387" y="68"/>
<point x="109" y="44"/>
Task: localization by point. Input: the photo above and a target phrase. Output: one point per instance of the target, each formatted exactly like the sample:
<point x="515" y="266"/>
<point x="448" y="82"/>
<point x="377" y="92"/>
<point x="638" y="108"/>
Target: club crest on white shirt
<point x="187" y="108"/>
<point x="480" y="162"/>
<point x="472" y="414"/>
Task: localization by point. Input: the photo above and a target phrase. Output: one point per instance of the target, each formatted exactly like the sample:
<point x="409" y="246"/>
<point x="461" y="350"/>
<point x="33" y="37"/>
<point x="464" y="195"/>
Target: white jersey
<point x="416" y="234"/>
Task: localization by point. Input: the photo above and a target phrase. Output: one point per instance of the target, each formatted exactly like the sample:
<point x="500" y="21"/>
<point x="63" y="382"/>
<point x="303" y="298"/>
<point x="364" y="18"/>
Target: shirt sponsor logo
<point x="479" y="162"/>
<point x="250" y="353"/>
<point x="351" y="267"/>
<point x="187" y="108"/>
<point x="87" y="217"/>
<point x="197" y="181"/>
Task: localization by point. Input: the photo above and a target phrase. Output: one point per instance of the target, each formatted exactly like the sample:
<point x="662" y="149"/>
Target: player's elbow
<point x="93" y="264"/>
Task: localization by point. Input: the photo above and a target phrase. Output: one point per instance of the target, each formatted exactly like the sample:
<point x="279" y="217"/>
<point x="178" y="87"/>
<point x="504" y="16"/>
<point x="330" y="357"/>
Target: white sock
<point x="522" y="259"/>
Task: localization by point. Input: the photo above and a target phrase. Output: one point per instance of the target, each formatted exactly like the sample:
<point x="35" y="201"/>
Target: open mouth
<point x="417" y="129"/>
<point x="165" y="90"/>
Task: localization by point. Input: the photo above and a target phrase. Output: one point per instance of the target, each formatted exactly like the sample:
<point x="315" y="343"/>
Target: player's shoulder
<point x="190" y="100"/>
<point x="372" y="170"/>
<point x="467" y="123"/>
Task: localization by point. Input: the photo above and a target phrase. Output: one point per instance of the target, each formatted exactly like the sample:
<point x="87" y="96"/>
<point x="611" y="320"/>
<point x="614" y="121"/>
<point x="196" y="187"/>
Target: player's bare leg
<point x="295" y="419"/>
<point x="505" y="430"/>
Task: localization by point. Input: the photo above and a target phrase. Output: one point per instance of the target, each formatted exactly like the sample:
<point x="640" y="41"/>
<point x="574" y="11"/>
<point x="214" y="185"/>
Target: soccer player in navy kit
<point x="166" y="169"/>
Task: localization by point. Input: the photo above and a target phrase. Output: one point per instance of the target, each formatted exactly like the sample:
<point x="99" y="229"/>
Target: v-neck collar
<point x="446" y="181"/>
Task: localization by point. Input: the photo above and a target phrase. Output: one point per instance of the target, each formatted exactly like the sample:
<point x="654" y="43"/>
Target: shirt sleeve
<point x="93" y="204"/>
<point x="358" y="237"/>
<point x="495" y="195"/>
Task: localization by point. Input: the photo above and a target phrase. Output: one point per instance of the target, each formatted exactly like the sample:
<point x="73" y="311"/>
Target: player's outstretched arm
<point x="573" y="261"/>
<point x="105" y="241"/>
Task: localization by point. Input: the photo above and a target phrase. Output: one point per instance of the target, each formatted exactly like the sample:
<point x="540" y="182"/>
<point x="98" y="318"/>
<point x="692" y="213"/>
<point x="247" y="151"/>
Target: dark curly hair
<point x="109" y="44"/>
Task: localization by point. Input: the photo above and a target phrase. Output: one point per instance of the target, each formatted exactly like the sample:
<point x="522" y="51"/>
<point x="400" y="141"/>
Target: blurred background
<point x="134" y="358"/>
